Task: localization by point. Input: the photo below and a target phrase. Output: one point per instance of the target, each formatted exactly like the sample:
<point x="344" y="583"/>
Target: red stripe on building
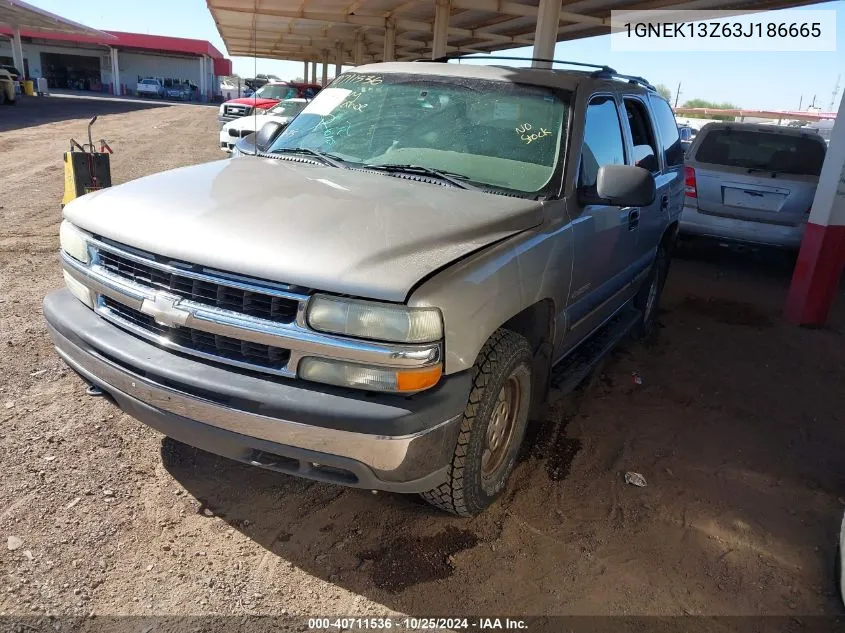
<point x="137" y="41"/>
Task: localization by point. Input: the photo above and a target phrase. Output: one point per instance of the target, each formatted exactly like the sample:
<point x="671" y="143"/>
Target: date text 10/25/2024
<point x="406" y="623"/>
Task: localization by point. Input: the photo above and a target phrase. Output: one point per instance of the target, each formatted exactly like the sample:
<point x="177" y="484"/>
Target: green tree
<point x="663" y="91"/>
<point x="703" y="103"/>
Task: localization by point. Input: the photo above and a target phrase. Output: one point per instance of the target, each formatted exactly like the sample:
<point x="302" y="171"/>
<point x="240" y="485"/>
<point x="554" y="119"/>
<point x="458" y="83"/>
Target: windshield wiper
<point x="327" y="159"/>
<point x="456" y="180"/>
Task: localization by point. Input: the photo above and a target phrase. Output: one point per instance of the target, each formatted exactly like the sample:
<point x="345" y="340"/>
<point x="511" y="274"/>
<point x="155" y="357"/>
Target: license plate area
<point x="747" y="198"/>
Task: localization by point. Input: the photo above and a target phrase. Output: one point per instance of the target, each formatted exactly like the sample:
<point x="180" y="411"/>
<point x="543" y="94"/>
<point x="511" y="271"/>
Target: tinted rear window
<point x="762" y="150"/>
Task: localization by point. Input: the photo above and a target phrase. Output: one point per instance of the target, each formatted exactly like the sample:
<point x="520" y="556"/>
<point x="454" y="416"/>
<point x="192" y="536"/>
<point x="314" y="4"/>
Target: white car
<point x="283" y="112"/>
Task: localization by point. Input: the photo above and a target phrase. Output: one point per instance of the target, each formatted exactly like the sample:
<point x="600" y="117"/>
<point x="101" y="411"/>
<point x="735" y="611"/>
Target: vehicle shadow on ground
<point x="771" y="263"/>
<point x="30" y="111"/>
<point x="567" y="530"/>
<point x="726" y="416"/>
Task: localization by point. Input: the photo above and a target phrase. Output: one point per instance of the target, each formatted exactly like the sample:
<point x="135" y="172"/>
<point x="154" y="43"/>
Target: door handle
<point x="633" y="219"/>
<point x="664" y="203"/>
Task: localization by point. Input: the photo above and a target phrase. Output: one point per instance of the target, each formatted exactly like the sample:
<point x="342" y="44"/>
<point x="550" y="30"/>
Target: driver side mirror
<point x="268" y="133"/>
<point x="621" y="186"/>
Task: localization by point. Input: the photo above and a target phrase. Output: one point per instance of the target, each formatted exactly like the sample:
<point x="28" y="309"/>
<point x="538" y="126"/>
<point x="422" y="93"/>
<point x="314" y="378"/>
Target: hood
<point x="254" y="102"/>
<point x="337" y="230"/>
<point x="253" y="122"/>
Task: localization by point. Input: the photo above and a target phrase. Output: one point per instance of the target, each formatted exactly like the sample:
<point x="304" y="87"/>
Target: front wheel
<point x="647" y="300"/>
<point x="492" y="427"/>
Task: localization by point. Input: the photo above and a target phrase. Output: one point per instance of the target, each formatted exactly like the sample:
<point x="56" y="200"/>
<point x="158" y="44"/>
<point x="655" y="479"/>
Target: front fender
<point x="478" y="294"/>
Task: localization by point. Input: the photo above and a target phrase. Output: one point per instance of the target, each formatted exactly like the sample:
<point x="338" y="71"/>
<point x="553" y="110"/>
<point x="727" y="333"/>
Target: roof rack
<point x="459" y="57"/>
<point x="631" y="79"/>
<point x="600" y="72"/>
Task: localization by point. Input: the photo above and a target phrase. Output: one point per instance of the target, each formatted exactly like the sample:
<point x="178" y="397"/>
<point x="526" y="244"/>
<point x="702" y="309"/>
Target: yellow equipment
<point x="86" y="169"/>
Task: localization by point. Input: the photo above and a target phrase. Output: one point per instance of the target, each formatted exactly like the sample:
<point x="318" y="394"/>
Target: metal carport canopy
<point x="347" y="32"/>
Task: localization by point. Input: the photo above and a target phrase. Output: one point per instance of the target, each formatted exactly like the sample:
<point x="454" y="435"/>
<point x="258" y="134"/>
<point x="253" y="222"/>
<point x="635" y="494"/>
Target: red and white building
<point x="113" y="61"/>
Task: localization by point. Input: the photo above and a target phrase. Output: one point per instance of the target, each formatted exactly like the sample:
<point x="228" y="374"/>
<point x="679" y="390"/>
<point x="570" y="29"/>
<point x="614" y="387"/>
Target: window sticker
<point x="327" y="101"/>
<point x="505" y="110"/>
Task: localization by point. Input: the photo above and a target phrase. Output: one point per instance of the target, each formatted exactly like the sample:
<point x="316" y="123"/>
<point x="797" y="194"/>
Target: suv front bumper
<point x="340" y="436"/>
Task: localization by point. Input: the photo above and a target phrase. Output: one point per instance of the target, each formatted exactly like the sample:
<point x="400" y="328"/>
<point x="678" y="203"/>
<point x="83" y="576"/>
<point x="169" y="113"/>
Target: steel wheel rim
<point x="501" y="426"/>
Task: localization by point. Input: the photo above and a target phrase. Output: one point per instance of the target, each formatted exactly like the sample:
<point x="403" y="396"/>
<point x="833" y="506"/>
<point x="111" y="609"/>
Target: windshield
<point x="785" y="153"/>
<point x="276" y="91"/>
<point x="287" y="108"/>
<point x="494" y="133"/>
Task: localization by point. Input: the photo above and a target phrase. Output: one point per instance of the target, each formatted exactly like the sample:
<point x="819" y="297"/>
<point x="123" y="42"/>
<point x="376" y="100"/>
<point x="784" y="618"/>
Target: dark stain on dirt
<point x="726" y="311"/>
<point x="405" y="562"/>
<point x="547" y="441"/>
<point x="559" y="463"/>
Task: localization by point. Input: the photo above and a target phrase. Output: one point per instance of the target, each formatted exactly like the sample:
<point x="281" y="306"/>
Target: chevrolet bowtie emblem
<point x="165" y="309"/>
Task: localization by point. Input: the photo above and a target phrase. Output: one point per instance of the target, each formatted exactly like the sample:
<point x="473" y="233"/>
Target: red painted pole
<point x="822" y="255"/>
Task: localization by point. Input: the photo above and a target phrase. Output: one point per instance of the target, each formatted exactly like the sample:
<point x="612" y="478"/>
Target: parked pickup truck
<point x="150" y="88"/>
<point x="385" y="295"/>
<point x="266" y="97"/>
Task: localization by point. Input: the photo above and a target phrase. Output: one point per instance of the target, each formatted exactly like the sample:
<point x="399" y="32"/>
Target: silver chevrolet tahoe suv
<point x="425" y="257"/>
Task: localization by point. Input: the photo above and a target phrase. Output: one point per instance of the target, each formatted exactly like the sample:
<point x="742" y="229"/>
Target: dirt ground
<point x="738" y="426"/>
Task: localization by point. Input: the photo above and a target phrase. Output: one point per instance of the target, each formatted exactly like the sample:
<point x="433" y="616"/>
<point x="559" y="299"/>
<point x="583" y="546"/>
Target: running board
<point x="574" y="368"/>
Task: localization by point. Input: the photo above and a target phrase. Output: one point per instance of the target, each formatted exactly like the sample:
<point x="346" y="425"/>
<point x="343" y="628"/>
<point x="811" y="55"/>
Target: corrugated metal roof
<point x="316" y="30"/>
<point x="19" y="14"/>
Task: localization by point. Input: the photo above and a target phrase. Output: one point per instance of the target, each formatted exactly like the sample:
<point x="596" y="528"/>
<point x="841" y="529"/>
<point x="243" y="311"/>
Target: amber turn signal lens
<point x="418" y="379"/>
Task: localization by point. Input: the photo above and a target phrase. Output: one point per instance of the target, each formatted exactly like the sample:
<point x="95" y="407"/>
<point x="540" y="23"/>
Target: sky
<point x="774" y="80"/>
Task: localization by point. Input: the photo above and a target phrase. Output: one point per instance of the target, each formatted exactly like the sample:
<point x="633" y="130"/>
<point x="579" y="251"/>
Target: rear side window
<point x="753" y="149"/>
<point x="668" y="127"/>
<point x="642" y="135"/>
<point x="603" y="143"/>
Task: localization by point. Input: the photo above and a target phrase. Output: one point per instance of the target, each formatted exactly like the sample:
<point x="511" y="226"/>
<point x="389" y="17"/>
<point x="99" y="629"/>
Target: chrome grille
<point x="244" y="353"/>
<point x="221" y="316"/>
<point x="237" y="110"/>
<point x="263" y="306"/>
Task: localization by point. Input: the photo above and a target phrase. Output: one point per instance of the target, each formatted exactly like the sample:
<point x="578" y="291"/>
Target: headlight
<point x="344" y="374"/>
<point x="73" y="242"/>
<point x="377" y="321"/>
<point x="221" y="111"/>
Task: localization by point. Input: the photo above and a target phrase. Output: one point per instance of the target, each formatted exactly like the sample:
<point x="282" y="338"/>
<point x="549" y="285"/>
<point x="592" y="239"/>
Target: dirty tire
<point x="647" y="300"/>
<point x="503" y="366"/>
